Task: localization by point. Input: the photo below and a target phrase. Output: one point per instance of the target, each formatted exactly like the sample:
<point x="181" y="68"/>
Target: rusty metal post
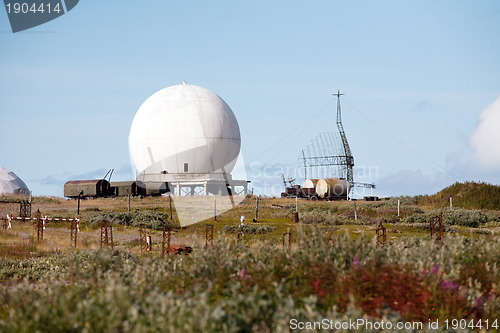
<point x="38" y="215"/>
<point x="436" y="223"/>
<point x="165" y="245"/>
<point x="256" y="219"/>
<point x="295" y="217"/>
<point x="209" y="235"/>
<point x="287" y="236"/>
<point x="38" y="225"/>
<point x="142" y="238"/>
<point x="215" y="208"/>
<point x="73" y="236"/>
<point x="381" y="236"/>
<point x="170" y="204"/>
<point x="39" y="230"/>
<point x="106" y="234"/>
<point x="24" y="209"/>
<point x="110" y="226"/>
<point x="79" y="198"/>
<point x="241" y="235"/>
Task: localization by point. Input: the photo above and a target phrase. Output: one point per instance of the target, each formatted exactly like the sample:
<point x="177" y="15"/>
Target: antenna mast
<point x="349" y="159"/>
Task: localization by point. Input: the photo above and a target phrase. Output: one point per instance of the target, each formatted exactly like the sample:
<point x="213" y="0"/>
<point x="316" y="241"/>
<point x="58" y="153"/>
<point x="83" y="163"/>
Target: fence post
<point x="106" y="234"/>
<point x="381" y="235"/>
<point x="256" y="219"/>
<point x="142" y="238"/>
<point x="209" y="235"/>
<point x="436" y="224"/>
<point x="288" y="235"/>
<point x="73" y="234"/>
<point x="25" y="209"/>
<point x="165" y="245"/>
<point x="39" y="225"/>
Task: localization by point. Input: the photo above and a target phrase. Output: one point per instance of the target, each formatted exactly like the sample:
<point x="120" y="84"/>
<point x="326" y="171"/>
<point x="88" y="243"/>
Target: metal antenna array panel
<point x="326" y="156"/>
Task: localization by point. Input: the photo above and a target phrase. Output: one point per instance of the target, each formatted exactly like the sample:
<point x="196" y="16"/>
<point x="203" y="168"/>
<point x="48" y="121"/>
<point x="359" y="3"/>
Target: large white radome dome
<point x="10" y="183"/>
<point x="184" y="129"/>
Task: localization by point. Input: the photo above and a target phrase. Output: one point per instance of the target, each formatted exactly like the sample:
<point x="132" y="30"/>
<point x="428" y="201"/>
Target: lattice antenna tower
<point x="329" y="155"/>
<point x="349" y="159"/>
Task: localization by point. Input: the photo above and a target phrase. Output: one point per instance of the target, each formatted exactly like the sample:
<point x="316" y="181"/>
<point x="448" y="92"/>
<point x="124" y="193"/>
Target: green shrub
<point x="468" y="195"/>
<point x="467" y="218"/>
<point x="248" y="229"/>
<point x="233" y="288"/>
<point x="151" y="219"/>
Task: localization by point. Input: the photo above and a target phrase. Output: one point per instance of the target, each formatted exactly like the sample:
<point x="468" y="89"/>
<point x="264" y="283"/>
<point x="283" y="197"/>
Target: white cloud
<point x="485" y="139"/>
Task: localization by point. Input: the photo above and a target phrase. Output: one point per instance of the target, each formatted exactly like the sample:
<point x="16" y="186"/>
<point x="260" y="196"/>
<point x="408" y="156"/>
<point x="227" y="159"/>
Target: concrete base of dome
<point x="188" y="184"/>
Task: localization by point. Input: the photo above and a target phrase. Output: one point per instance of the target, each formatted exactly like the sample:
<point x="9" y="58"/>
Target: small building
<point x="87" y="188"/>
<point x="156" y="188"/>
<point x="134" y="188"/>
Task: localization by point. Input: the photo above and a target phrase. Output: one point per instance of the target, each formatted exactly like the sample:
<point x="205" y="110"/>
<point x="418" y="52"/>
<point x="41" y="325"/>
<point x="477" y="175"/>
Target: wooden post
<point x="256" y="219"/>
<point x="73" y="234"/>
<point x="209" y="235"/>
<point x="451" y="203"/>
<point x="78" y="210"/>
<point x="381" y="235"/>
<point x="129" y="202"/>
<point x="106" y="234"/>
<point x="287" y="239"/>
<point x="165" y="246"/>
<point x="170" y="204"/>
<point x="436" y="224"/>
<point x="215" y="208"/>
<point x="398" y="206"/>
<point x="142" y="238"/>
<point x="355" y="211"/>
<point x="39" y="225"/>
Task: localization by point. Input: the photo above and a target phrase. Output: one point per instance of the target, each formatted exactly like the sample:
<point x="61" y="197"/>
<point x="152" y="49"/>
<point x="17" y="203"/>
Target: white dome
<point x="10" y="183"/>
<point x="184" y="128"/>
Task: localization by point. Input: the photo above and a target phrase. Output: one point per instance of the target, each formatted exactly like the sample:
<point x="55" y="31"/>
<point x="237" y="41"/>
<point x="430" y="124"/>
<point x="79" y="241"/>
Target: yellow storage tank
<point x="310" y="183"/>
<point x="332" y="187"/>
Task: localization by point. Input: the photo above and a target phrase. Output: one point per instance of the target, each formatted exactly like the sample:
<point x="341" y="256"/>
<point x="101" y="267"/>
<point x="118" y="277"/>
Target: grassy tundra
<point x="334" y="270"/>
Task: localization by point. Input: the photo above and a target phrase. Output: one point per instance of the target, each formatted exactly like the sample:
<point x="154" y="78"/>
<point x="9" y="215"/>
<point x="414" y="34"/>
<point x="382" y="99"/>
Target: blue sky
<point x="417" y="76"/>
